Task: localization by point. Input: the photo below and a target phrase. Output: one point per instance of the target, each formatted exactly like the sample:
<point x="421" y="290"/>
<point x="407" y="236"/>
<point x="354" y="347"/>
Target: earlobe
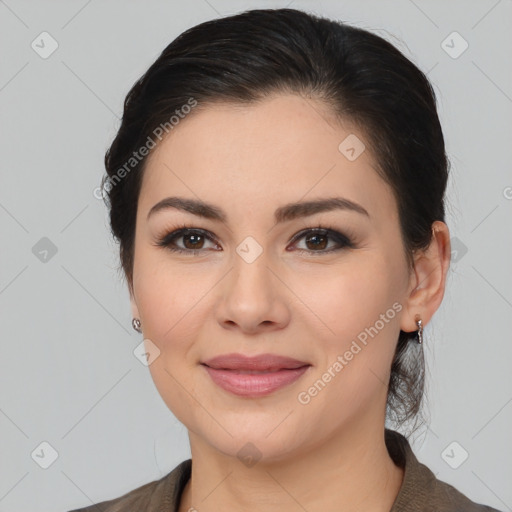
<point x="136" y="323"/>
<point x="133" y="306"/>
<point x="430" y="271"/>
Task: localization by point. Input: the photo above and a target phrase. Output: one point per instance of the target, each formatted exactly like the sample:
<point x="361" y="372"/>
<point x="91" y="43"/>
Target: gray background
<point x="68" y="374"/>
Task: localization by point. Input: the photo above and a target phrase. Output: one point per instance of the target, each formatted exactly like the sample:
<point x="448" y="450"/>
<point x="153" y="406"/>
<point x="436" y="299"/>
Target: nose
<point x="253" y="297"/>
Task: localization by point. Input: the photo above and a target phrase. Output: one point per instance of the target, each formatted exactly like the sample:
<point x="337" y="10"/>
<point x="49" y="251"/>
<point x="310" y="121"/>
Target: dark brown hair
<point x="361" y="77"/>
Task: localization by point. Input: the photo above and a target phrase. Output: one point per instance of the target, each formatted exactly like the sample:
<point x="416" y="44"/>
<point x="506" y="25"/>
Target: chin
<point x="255" y="448"/>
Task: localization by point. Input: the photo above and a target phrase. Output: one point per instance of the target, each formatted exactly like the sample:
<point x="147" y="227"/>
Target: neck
<point x="352" y="471"/>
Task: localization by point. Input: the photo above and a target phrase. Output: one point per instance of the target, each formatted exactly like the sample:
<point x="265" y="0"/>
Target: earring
<point x="419" y="323"/>
<point x="136" y="324"/>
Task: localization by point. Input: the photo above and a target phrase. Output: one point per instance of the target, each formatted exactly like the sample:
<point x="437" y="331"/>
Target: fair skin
<point x="307" y="303"/>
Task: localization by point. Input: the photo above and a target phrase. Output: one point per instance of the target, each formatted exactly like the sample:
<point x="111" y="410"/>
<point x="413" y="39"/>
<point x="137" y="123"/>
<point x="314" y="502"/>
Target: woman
<point x="277" y="188"/>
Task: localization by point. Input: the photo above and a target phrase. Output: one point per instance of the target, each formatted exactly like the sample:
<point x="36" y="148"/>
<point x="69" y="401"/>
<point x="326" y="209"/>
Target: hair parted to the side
<point x="361" y="77"/>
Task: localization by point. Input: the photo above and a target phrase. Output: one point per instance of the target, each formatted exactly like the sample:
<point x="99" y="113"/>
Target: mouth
<point x="254" y="376"/>
<point x="259" y="363"/>
<point x="251" y="372"/>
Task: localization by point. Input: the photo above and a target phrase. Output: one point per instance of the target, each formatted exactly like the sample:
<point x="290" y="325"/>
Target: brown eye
<point x="317" y="240"/>
<point x="192" y="240"/>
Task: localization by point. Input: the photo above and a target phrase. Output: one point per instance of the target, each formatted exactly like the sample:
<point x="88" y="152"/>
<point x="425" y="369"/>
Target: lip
<point x="254" y="376"/>
<point x="261" y="362"/>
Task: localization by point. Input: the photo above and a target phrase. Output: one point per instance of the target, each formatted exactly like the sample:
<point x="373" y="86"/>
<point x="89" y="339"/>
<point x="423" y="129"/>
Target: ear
<point x="133" y="305"/>
<point x="428" y="279"/>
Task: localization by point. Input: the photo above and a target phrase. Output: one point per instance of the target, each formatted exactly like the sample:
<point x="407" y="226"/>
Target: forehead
<point x="276" y="151"/>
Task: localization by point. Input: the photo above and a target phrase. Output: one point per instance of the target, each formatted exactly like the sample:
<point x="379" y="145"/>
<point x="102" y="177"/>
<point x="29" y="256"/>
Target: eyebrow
<point x="284" y="213"/>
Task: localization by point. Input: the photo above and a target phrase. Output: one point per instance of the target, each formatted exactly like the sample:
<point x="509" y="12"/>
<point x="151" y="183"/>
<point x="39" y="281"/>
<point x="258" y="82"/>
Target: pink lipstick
<point x="255" y="376"/>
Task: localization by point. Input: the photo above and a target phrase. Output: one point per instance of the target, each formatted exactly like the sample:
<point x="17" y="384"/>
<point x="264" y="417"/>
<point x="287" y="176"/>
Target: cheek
<point x="169" y="297"/>
<point x="360" y="314"/>
<point x="172" y="312"/>
<point x="350" y="297"/>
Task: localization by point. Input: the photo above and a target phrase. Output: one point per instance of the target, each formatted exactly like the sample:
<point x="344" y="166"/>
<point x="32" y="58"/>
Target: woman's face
<point x="255" y="288"/>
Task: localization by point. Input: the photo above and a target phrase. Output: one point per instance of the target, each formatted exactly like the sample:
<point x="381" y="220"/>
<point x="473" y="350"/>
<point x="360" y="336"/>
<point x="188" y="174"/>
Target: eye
<point x="193" y="239"/>
<point x="317" y="240"/>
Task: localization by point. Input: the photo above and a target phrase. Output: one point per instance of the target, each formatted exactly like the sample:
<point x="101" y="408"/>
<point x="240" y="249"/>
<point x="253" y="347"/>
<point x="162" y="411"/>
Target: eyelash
<point x="336" y="236"/>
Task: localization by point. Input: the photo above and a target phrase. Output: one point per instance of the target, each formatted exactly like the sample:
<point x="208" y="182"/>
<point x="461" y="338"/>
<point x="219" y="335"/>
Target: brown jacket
<point x="421" y="491"/>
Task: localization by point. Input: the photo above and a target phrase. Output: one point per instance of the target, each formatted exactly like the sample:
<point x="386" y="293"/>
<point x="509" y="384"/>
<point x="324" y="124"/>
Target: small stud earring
<point x="136" y="324"/>
<point x="419" y="323"/>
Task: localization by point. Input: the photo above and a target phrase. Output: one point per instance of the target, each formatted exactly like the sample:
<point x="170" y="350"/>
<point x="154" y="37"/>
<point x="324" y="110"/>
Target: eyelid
<point x="333" y="233"/>
<point x="344" y="239"/>
<point x="165" y="240"/>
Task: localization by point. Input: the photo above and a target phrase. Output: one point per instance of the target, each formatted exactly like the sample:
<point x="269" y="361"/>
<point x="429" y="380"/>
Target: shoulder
<point x="149" y="497"/>
<point x="450" y="499"/>
<point x="135" y="498"/>
<point x="421" y="491"/>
